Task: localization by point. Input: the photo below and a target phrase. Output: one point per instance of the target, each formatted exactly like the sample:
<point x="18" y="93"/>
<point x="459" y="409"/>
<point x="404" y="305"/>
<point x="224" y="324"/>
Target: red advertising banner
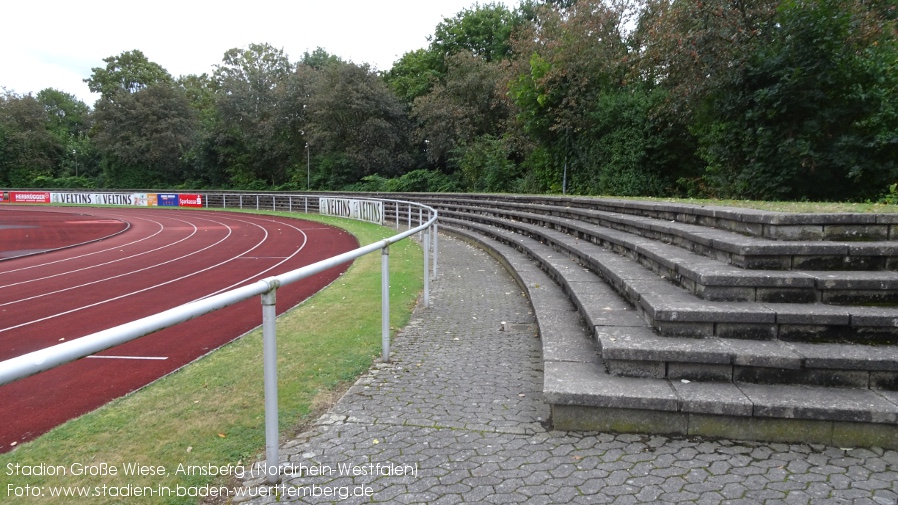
<point x="190" y="200"/>
<point x="29" y="197"/>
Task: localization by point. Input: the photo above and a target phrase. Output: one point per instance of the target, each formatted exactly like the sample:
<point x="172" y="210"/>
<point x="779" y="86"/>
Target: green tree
<point x="319" y="58"/>
<point x="200" y="91"/>
<point x="466" y="105"/>
<point x="126" y="73"/>
<point x="70" y="121"/>
<point x="415" y="74"/>
<point x="67" y="114"/>
<point x="803" y="117"/>
<point x="629" y="149"/>
<point x="203" y="166"/>
<point x="695" y="49"/>
<point x="144" y="137"/>
<point x="570" y="57"/>
<point x="485" y="166"/>
<point x="256" y="137"/>
<point x="29" y="149"/>
<point x="483" y="30"/>
<point x="357" y="127"/>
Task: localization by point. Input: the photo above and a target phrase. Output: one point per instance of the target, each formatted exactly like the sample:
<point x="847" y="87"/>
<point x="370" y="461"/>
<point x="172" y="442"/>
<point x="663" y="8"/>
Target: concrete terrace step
<point x="711" y="279"/>
<point x="726" y="246"/>
<point x="784" y="226"/>
<point x="676" y="313"/>
<point x="584" y="396"/>
<point x="639" y="352"/>
<point x="631" y="348"/>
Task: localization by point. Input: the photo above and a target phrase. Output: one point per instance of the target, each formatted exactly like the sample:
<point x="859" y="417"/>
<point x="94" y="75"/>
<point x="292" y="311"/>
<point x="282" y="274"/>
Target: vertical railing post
<point x="257" y="202"/>
<point x="409" y="216"/>
<point x="397" y="214"/>
<point x="385" y="302"/>
<point x="269" y="351"/>
<point x="307" y="205"/>
<point x="420" y="221"/>
<point x="427" y="268"/>
<point x="436" y="232"/>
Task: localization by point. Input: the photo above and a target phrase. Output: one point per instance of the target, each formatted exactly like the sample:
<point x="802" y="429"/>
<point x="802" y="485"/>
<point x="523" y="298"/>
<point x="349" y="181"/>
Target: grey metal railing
<point x="38" y="361"/>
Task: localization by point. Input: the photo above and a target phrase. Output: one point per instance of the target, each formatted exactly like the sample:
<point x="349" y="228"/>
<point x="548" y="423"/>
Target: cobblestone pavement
<point x="458" y="417"/>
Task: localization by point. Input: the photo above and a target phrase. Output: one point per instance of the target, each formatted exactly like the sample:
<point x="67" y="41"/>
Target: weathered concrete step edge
<point x="584" y="397"/>
<point x="714" y="280"/>
<point x="638" y="352"/>
<point x="674" y="312"/>
<point x="743" y="252"/>
<point x="656" y="228"/>
<point x="759" y="223"/>
<point x="630" y="348"/>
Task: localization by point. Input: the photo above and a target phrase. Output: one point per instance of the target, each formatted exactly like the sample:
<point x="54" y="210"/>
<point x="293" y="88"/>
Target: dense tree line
<point x="772" y="99"/>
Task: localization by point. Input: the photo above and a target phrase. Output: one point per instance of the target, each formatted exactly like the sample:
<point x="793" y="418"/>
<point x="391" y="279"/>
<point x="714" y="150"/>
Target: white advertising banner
<point x="362" y="210"/>
<point x="100" y="198"/>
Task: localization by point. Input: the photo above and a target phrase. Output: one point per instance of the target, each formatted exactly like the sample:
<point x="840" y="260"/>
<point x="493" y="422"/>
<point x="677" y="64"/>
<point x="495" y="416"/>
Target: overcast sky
<point x="55" y="43"/>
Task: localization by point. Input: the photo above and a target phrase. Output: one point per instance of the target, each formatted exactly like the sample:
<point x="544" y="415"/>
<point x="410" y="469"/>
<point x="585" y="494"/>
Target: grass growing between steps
<point x="211" y="412"/>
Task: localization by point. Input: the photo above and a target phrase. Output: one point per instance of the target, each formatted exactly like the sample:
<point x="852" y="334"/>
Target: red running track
<point x="157" y="260"/>
<point x="26" y="233"/>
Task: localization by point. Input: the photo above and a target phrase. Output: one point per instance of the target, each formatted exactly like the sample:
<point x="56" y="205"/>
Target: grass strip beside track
<point x="211" y="412"/>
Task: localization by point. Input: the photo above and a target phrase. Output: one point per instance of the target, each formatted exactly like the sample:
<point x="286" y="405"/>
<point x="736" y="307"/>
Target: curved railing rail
<point x="45" y="359"/>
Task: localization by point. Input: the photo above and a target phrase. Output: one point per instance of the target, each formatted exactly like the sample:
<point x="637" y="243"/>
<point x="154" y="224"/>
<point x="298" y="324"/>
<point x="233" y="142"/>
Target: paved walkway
<point x="458" y="417"/>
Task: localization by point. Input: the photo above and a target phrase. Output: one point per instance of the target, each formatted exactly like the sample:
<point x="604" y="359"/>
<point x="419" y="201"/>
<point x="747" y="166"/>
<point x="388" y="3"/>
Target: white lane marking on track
<point x="264" y="238"/>
<point x="125" y="274"/>
<point x="160" y="230"/>
<point x="36" y="279"/>
<point x="157" y="358"/>
<point x="305" y="240"/>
